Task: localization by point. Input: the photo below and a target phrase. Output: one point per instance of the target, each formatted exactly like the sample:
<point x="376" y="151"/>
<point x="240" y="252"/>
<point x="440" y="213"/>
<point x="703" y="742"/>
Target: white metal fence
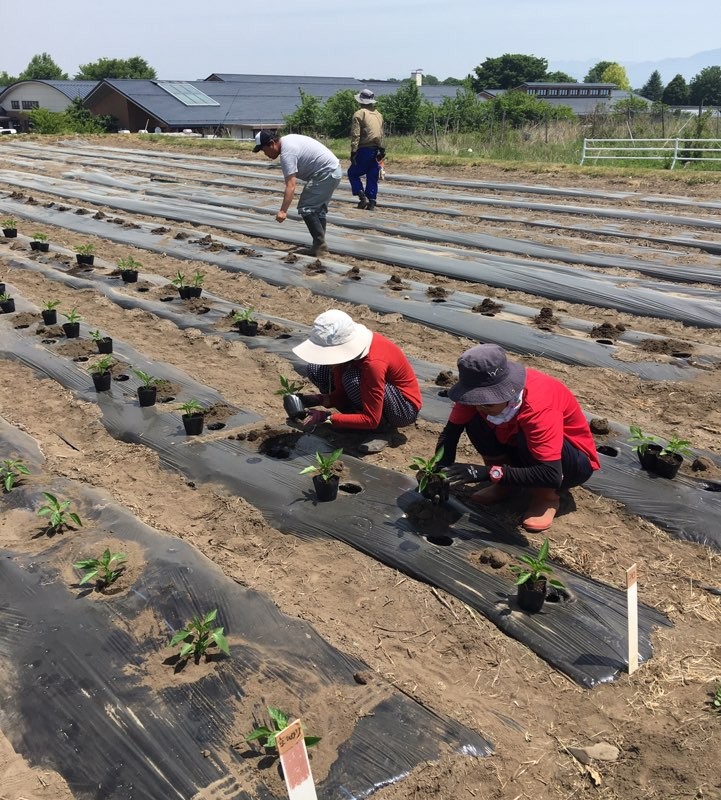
<point x="670" y="151"/>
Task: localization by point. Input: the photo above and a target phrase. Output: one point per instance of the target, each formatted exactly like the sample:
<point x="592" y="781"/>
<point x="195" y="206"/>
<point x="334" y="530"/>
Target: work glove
<point x="310" y="400"/>
<point x="352" y="158"/>
<point x="380" y="154"/>
<point x="458" y="474"/>
<point x="315" y="417"/>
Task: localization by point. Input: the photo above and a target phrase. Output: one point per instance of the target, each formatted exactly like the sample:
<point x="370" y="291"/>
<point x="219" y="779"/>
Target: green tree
<point x="464" y="112"/>
<point x="42" y="68"/>
<point x="5" y="79"/>
<point x="508" y="71"/>
<point x="307" y="116"/>
<point x="630" y="105"/>
<point x="135" y="67"/>
<point x="44" y="121"/>
<point x="337" y="112"/>
<point x="705" y="88"/>
<point x="82" y="120"/>
<point x="430" y="80"/>
<point x="676" y="92"/>
<point x="653" y="88"/>
<point x="453" y="82"/>
<point x="615" y="73"/>
<point x="595" y="73"/>
<point x="518" y="109"/>
<point x="558" y="77"/>
<point x="402" y="110"/>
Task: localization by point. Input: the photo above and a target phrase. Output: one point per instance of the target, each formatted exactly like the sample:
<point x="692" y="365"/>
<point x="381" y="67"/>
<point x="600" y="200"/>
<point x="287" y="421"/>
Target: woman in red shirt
<point x="362" y="374"/>
<point x="528" y="427"/>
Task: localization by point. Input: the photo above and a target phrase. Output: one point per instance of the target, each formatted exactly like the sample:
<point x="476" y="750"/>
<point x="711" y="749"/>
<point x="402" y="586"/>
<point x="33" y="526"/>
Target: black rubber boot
<point x="362" y="200"/>
<point x="315" y="226"/>
<point x="370" y="205"/>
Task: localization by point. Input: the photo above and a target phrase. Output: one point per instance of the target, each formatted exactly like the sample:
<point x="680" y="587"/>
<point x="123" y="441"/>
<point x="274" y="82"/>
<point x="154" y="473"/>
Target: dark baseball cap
<point x="263" y="138"/>
<point x="486" y="377"/>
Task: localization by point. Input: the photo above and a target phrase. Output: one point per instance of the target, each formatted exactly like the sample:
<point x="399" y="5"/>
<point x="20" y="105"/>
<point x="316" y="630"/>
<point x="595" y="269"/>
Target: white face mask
<point x="509" y="412"/>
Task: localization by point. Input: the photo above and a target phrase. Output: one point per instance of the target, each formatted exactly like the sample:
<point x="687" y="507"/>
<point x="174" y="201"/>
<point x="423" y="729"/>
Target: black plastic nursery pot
<point x="40" y="247"/>
<point x="294" y="407"/>
<point x="437" y="490"/>
<point x="184" y="292"/>
<point x="648" y="456"/>
<point x="532" y="595"/>
<point x="668" y="464"/>
<point x="2" y="288"/>
<point x="7" y="306"/>
<point x="194" y="292"/>
<point x="105" y="345"/>
<point x="50" y="316"/>
<point x="10" y="233"/>
<point x="326" y="490"/>
<point x="248" y="328"/>
<point x="102" y="381"/>
<point x="83" y="260"/>
<point x="129" y="275"/>
<point x="72" y="329"/>
<point x="193" y="424"/>
<point x="147" y="395"/>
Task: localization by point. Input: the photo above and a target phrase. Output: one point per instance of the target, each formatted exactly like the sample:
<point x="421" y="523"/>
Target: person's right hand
<point x="315" y="417"/>
<point x="466" y="473"/>
<point x="310" y="400"/>
<point x="281" y="216"/>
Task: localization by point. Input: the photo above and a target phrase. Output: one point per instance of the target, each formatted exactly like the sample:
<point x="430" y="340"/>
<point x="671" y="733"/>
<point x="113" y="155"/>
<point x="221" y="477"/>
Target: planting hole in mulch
<point x="396" y="283"/>
<point x="350" y="488"/>
<point x="277" y="445"/>
<point x="80" y="359"/>
<point x="167" y="391"/>
<point x="315" y="267"/>
<point x="487" y="307"/>
<point x="681" y="355"/>
<point x="21" y="327"/>
<point x="354" y="274"/>
<point x="443" y="393"/>
<point x="605" y="341"/>
<point x="558" y="594"/>
<point x="712" y="487"/>
<point x="142" y="289"/>
<point x="429" y="518"/>
<point x="607" y="331"/>
<point x="167" y="399"/>
<point x="216" y="426"/>
<point x="438" y="300"/>
<point x="545" y="320"/>
<point x="166" y="299"/>
<point x="605" y="450"/>
<point x="122" y="377"/>
<point x="440" y="541"/>
<point x="48" y="341"/>
<point x="218" y="412"/>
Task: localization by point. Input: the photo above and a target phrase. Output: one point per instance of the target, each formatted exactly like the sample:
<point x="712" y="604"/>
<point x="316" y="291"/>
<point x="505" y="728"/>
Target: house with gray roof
<point x="23" y="96"/>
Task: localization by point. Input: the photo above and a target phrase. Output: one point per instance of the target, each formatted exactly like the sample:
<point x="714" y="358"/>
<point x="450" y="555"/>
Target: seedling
<point x="11" y="473"/>
<point x="640" y="440"/>
<point x="534" y="569"/>
<point x="40" y="237"/>
<point x="147" y="380"/>
<point x="324" y="464"/>
<point x="72" y="316"/>
<point x="57" y="512"/>
<point x="102" y="568"/>
<point x="179" y="280"/>
<point x="85" y="249"/>
<point x="266" y="736"/>
<point x="198" y="635"/>
<point x="129" y="263"/>
<point x="198" y="279"/>
<point x="96" y="336"/>
<point x="428" y="468"/>
<point x="288" y="386"/>
<point x="9" y="224"/>
<point x="192" y="406"/>
<point x="4" y="297"/>
<point x="50" y="305"/>
<point x="716" y="701"/>
<point x="246" y="315"/>
<point x="677" y="447"/>
<point x="101" y="366"/>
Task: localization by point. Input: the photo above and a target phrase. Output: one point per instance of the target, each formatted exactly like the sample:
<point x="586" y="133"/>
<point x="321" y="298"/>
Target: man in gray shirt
<point x="304" y="158"/>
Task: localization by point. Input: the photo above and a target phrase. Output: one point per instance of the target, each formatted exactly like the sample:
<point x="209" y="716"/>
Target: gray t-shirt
<point x="304" y="156"/>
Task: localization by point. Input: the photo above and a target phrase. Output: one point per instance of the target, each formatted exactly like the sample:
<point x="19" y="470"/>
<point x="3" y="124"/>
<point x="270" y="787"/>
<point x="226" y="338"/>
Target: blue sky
<point x="187" y="39"/>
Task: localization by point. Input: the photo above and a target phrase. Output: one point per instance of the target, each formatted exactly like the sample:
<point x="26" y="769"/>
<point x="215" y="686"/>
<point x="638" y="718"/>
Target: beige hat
<point x="334" y="339"/>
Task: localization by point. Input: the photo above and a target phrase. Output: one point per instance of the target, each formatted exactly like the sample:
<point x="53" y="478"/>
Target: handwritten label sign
<point x="632" y="605"/>
<point x="294" y="758"/>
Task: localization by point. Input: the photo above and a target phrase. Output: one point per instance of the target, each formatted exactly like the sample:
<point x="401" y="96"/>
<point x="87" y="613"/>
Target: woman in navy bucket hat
<point x="527" y="426"/>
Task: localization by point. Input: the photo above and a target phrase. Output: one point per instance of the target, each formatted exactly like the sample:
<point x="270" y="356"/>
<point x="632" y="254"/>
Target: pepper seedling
<point x="11" y="473"/>
<point x="427" y="468"/>
<point x="324" y="464"/>
<point x="266" y="736"/>
<point x="288" y="386"/>
<point x="102" y="568"/>
<point x="147" y="380"/>
<point x="57" y="512"/>
<point x="198" y="635"/>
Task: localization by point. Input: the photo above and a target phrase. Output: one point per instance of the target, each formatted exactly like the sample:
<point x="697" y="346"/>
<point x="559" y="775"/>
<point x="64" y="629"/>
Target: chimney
<point x="418" y="75"/>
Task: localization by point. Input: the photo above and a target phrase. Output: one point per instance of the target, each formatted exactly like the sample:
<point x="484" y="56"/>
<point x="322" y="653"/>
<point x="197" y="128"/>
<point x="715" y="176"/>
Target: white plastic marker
<point x="632" y="604"/>
<point x="294" y="758"/>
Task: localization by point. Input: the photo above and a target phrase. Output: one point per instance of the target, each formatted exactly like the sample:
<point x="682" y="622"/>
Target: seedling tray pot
<point x="102" y="381"/>
<point x="84" y="261"/>
<point x="184" y="292"/>
<point x="532" y="596"/>
<point x="293" y="406"/>
<point x="8" y="306"/>
<point x="72" y="329"/>
<point x="105" y="345"/>
<point x="668" y="465"/>
<point x="41" y="247"/>
<point x="194" y="291"/>
<point x="10" y="233"/>
<point x="248" y="328"/>
<point x="648" y="456"/>
<point x="129" y="275"/>
<point x="193" y="424"/>
<point x="50" y="317"/>
<point x="326" y="490"/>
<point x="147" y="395"/>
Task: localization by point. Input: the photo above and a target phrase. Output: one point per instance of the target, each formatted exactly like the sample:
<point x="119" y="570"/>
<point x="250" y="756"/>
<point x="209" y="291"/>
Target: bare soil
<point x="413" y="637"/>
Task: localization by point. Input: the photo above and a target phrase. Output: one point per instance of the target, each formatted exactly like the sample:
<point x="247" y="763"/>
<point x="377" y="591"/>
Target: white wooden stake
<point x="632" y="605"/>
<point x="296" y="767"/>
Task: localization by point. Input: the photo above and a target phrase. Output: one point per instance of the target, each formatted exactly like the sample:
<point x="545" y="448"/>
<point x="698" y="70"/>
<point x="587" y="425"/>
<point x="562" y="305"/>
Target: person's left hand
<point x="281" y="216"/>
<point x="467" y="473"/>
<point x="315" y="417"/>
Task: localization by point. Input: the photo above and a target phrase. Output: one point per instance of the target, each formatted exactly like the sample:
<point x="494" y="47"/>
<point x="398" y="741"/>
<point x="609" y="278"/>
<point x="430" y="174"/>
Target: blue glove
<point x="467" y="473"/>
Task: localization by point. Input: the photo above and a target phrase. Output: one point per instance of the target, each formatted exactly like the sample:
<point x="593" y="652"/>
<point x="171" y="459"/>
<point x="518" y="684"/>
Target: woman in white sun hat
<point x="361" y="373"/>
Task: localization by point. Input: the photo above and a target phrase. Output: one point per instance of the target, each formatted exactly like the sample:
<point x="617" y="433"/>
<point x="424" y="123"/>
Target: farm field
<point x="611" y="284"/>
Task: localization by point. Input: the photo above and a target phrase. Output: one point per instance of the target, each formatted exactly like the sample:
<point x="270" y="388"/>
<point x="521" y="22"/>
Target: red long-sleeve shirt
<point x="385" y="363"/>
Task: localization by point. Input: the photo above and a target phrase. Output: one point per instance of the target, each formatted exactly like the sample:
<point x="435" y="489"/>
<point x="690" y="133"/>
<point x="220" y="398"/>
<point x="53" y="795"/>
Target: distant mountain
<point x="639" y="71"/>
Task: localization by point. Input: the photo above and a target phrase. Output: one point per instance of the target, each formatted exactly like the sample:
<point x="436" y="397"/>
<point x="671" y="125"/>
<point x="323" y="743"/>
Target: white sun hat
<point x="334" y="339"/>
